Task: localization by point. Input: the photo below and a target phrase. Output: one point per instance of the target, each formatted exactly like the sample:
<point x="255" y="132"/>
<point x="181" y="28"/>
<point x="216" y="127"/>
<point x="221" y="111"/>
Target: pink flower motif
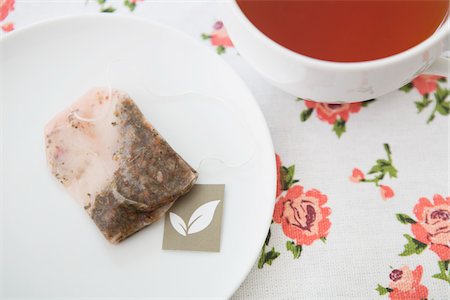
<point x="6" y="6"/>
<point x="433" y="224"/>
<point x="405" y="284"/>
<point x="329" y="112"/>
<point x="302" y="215"/>
<point x="7" y="27"/>
<point x="386" y="192"/>
<point x="218" y="25"/>
<point x="426" y="84"/>
<point x="219" y="37"/>
<point x="357" y="175"/>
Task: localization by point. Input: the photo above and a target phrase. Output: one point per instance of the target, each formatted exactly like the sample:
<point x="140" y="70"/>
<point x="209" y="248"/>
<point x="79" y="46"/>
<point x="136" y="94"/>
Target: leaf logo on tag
<point x="199" y="220"/>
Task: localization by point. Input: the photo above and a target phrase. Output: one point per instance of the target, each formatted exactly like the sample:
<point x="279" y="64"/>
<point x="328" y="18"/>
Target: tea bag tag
<point x="194" y="222"/>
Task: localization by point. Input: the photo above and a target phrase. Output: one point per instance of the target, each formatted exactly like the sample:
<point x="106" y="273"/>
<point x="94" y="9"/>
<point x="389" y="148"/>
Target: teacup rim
<point x="441" y="32"/>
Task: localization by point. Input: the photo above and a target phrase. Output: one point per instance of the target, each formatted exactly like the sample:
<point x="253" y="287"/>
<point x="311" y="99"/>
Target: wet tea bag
<point x="114" y="163"/>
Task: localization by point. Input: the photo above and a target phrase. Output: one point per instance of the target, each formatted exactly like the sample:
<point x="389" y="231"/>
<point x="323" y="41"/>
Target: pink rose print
<point x="379" y="171"/>
<point x="6" y="6"/>
<point x="405" y="285"/>
<point x="429" y="86"/>
<point x="304" y="212"/>
<point x="433" y="225"/>
<point x="333" y="114"/>
<point x="357" y="175"/>
<point x="219" y="38"/>
<point x="432" y="228"/>
<point x="426" y="84"/>
<point x="386" y="192"/>
<point x="302" y="215"/>
<point x="329" y="112"/>
<point x="8" y="26"/>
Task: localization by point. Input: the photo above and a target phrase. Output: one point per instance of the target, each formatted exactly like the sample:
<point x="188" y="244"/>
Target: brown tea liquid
<point x="346" y="30"/>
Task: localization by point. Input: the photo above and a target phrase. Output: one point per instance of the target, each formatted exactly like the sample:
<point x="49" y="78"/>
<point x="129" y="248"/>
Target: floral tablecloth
<point x="363" y="206"/>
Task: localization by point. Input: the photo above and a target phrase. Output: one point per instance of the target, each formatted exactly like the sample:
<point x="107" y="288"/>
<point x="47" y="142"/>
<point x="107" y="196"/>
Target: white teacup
<point x="326" y="81"/>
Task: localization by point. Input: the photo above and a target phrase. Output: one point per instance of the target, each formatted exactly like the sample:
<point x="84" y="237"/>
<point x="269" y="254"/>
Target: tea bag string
<point x="243" y="124"/>
<point x="242" y="121"/>
<point x="177" y="97"/>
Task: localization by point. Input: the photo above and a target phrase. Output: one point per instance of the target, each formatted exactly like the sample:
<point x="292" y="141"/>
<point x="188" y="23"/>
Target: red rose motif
<point x="329" y="112"/>
<point x="426" y="84"/>
<point x="405" y="284"/>
<point x="6" y="6"/>
<point x="433" y="224"/>
<point x="357" y="175"/>
<point x="386" y="192"/>
<point x="278" y="160"/>
<point x="7" y="27"/>
<point x="219" y="37"/>
<point x="302" y="215"/>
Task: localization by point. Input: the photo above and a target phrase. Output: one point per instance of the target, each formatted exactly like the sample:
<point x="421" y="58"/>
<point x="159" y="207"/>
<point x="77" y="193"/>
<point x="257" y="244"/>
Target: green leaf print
<point x="205" y="36"/>
<point x="407" y="87"/>
<point x="269" y="234"/>
<point x="295" y="249"/>
<point x="109" y="9"/>
<point x="383" y="290"/>
<point x="220" y="49"/>
<point x="382" y="167"/>
<point x="267" y="257"/>
<point x="445" y="273"/>
<point x="423" y="104"/>
<point x="306" y="114"/>
<point x="375" y="169"/>
<point x="442" y="106"/>
<point x="367" y="102"/>
<point x="413" y="246"/>
<point x="405" y="219"/>
<point x="131" y="5"/>
<point x="339" y="127"/>
<point x="287" y="177"/>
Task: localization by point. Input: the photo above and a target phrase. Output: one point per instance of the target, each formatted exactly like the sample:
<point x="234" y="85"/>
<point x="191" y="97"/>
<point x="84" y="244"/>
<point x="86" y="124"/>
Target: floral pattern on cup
<point x="219" y="38"/>
<point x="302" y="215"/>
<point x="405" y="284"/>
<point x="6" y="7"/>
<point x="431" y="228"/>
<point x="379" y="170"/>
<point x="432" y="92"/>
<point x="336" y="114"/>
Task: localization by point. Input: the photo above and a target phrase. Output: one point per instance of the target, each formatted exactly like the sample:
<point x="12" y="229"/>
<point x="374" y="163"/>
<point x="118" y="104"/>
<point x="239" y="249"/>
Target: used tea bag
<point x="114" y="163"/>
